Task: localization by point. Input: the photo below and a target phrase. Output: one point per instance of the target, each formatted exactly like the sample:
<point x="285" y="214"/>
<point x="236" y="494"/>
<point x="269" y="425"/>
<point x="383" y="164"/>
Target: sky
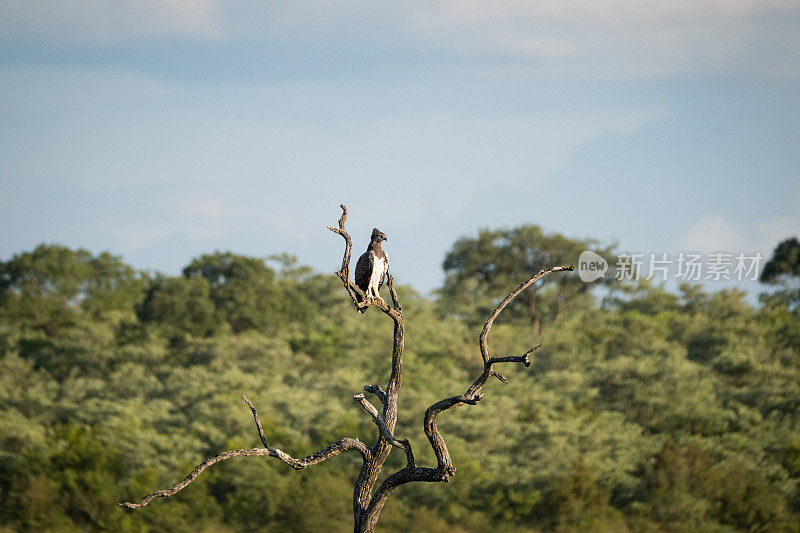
<point x="159" y="130"/>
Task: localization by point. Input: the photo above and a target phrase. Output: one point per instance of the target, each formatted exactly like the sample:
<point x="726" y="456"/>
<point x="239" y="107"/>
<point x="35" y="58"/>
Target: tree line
<point x="646" y="410"/>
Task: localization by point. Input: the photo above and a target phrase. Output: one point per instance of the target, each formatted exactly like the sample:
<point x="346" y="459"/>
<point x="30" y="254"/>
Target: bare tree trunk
<point x="367" y="501"/>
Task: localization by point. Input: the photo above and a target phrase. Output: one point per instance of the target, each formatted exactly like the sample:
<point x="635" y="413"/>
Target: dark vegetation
<point x="644" y="411"/>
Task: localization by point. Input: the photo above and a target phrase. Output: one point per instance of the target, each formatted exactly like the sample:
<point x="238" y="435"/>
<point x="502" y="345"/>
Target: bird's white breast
<point x="378" y="271"/>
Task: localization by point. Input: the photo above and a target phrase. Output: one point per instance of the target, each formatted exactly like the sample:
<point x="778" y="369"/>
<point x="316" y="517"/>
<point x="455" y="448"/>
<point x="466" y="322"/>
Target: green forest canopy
<point x="653" y="411"/>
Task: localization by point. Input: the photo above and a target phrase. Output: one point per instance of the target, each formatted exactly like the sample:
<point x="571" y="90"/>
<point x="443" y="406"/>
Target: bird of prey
<point x="372" y="267"/>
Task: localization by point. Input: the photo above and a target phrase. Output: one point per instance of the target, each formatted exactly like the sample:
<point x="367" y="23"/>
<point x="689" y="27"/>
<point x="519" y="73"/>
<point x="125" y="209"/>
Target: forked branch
<point x="474" y="394"/>
<point x="384" y="430"/>
<point x="444" y="468"/>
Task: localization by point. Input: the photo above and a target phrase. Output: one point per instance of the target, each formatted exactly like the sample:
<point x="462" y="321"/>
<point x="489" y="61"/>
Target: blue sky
<point x="162" y="129"/>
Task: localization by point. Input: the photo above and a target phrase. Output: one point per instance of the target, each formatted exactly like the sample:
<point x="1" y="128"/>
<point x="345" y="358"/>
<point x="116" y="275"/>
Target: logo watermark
<point x="717" y="266"/>
<point x="591" y="266"/>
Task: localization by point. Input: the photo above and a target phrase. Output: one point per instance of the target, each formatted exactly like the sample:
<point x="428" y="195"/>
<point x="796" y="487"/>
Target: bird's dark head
<point x="378" y="235"/>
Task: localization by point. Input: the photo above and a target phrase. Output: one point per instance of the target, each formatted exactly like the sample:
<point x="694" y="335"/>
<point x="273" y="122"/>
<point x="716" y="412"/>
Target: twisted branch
<point x="473" y="394"/>
<point x="377" y="391"/>
<point x="484" y="338"/>
<point x="384" y="430"/>
<point x="343" y="445"/>
<point x="444" y="468"/>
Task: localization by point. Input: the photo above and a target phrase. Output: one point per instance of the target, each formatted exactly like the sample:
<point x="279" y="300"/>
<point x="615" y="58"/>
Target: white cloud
<point x="618" y="37"/>
<point x="715" y="233"/>
<point x="608" y="38"/>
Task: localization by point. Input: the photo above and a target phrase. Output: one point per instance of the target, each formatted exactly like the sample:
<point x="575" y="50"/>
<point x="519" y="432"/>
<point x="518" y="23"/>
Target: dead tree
<point x="368" y="501"/>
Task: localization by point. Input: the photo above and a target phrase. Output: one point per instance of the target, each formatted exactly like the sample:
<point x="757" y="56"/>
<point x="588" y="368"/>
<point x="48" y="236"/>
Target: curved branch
<point x="333" y="450"/>
<point x="384" y="430"/>
<point x="472" y="396"/>
<point x="484" y="338"/>
<point x="377" y="391"/>
<point x="369" y="519"/>
<point x="193" y="474"/>
<point x="343" y="445"/>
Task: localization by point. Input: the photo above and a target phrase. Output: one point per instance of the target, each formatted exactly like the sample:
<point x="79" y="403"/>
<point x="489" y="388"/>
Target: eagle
<point x="372" y="267"/>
